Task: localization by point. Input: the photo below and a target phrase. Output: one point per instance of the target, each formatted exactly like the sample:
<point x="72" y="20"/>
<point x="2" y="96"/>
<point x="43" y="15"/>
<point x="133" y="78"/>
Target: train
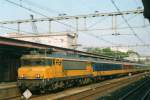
<point x="47" y="73"/>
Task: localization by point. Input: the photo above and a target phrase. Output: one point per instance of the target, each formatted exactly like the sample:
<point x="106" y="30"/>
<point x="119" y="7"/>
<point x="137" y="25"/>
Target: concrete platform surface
<point x="8" y="90"/>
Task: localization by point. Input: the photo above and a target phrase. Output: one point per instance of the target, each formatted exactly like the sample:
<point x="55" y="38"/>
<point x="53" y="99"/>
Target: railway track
<point x="146" y="95"/>
<point x="92" y="91"/>
<point x="141" y="92"/>
<point x="96" y="92"/>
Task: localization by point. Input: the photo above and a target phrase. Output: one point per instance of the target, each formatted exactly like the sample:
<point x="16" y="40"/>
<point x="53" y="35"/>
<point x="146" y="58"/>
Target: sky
<point x="94" y="38"/>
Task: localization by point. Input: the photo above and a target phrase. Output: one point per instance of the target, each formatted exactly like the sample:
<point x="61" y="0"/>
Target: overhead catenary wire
<point x="26" y="8"/>
<point x="135" y="34"/>
<point x="5" y="27"/>
<point x="97" y="22"/>
<point x="129" y="46"/>
<point x="130" y="18"/>
<point x="139" y="11"/>
<point x="109" y="28"/>
<point x="31" y="10"/>
<point x="36" y="12"/>
<point x="101" y="20"/>
<point x="39" y="13"/>
<point x="44" y="8"/>
<point x="8" y="28"/>
<point x="52" y="19"/>
<point x="117" y="45"/>
<point x="23" y="31"/>
<point x="98" y="37"/>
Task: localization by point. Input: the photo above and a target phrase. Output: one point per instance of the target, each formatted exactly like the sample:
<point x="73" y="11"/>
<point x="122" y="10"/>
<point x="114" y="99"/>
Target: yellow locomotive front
<point x="34" y="72"/>
<point x="44" y="73"/>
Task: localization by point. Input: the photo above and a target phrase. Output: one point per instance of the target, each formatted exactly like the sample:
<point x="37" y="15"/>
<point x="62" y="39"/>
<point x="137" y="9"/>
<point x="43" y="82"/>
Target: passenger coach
<point x="46" y="73"/>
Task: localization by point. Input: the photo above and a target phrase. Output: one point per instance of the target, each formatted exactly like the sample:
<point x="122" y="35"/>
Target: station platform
<point x="8" y="90"/>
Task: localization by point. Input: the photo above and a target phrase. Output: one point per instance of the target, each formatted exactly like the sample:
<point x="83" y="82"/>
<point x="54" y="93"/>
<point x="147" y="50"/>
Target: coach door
<point x="58" y="67"/>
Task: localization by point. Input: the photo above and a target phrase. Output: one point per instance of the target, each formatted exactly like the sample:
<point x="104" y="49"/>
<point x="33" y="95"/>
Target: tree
<point x="108" y="52"/>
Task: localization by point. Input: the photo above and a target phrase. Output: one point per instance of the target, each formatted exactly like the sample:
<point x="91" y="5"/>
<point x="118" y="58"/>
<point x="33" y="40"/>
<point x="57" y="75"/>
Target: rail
<point x="92" y="91"/>
<point x="89" y="91"/>
<point x="146" y="95"/>
<point x="135" y="89"/>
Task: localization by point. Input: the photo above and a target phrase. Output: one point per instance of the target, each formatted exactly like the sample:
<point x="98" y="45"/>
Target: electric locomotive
<point x="47" y="73"/>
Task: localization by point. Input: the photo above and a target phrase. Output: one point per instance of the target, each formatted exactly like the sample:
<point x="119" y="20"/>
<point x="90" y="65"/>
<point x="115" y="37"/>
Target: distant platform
<point x="6" y="85"/>
<point x="8" y="90"/>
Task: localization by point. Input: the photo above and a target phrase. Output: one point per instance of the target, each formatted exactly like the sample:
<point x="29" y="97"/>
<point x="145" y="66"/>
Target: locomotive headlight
<point x="22" y="76"/>
<point x="37" y="75"/>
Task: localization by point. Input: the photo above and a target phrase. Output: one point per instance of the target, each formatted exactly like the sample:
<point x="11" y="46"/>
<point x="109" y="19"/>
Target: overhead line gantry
<point x="138" y="11"/>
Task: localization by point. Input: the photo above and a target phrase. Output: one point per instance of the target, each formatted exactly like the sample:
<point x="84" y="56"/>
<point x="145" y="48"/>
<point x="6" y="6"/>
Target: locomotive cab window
<point x="36" y="62"/>
<point x="57" y="62"/>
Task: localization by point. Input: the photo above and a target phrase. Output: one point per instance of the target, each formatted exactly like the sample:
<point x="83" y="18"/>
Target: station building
<point x="65" y="40"/>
